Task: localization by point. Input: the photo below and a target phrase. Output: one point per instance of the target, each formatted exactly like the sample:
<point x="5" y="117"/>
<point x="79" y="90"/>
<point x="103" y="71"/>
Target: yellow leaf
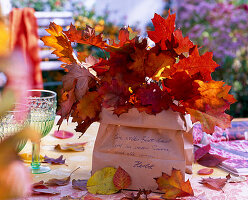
<point x="102" y="182"/>
<point x="27" y="158"/>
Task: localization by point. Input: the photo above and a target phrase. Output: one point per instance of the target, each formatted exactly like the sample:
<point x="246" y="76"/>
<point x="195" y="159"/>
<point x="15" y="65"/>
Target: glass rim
<point x="54" y="94"/>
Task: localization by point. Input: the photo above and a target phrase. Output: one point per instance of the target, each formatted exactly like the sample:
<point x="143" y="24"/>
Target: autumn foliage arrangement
<point x="170" y="75"/>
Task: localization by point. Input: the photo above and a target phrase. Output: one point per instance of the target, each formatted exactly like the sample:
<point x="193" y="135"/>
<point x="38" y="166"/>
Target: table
<point x="231" y="191"/>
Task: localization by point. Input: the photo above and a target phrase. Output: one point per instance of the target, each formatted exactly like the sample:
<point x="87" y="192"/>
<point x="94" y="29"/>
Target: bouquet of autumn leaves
<point x="170" y="75"/>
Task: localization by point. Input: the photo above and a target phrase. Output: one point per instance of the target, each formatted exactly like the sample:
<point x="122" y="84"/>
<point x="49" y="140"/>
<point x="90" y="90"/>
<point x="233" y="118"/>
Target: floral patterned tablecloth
<point x="234" y="191"/>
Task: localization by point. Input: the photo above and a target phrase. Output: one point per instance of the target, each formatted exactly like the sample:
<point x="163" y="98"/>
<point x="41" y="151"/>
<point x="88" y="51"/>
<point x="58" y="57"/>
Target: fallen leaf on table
<point x="211" y="160"/>
<point x="55" y="161"/>
<point x="122" y="179"/>
<point x="174" y="186"/>
<point x="101" y="182"/>
<point x="60" y="182"/>
<point x="141" y="195"/>
<point x="205" y="171"/>
<point x="71" y="147"/>
<point x="27" y="158"/>
<point x="88" y="197"/>
<point x="71" y="198"/>
<point x="40" y="188"/>
<point x="62" y="134"/>
<point x="235" y="179"/>
<point x="214" y="183"/>
<point x="79" y="184"/>
<point x="199" y="153"/>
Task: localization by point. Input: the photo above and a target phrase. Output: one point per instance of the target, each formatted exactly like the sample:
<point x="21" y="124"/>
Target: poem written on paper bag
<point x="141" y="147"/>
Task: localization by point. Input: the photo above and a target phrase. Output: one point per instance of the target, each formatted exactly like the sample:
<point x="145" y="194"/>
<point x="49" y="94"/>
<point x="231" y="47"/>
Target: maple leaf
<point x="163" y="29"/>
<point x="83" y="78"/>
<point x="55" y="161"/>
<point x="59" y="41"/>
<point x="210" y="119"/>
<point x="71" y="147"/>
<point x="89" y="106"/>
<point x="62" y="134"/>
<point x="183" y="44"/>
<point x="85" y="36"/>
<point x="214" y="183"/>
<point x="196" y="63"/>
<point x="79" y="184"/>
<point x="174" y="186"/>
<point x="115" y="94"/>
<point x="182" y="86"/>
<point x="205" y="171"/>
<point x="101" y="182"/>
<point x="211" y="160"/>
<point x="121" y="179"/>
<point x="199" y="153"/>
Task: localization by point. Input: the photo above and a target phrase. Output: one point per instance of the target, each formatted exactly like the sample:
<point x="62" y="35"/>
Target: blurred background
<point x="219" y="26"/>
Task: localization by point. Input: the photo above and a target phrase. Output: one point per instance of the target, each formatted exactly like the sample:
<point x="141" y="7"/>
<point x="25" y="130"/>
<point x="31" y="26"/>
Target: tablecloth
<point x="231" y="191"/>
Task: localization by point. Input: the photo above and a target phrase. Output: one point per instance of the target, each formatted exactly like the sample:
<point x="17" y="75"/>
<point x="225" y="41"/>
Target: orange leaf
<point x="183" y="44"/>
<point x="59" y="41"/>
<point x="163" y="29"/>
<point x="174" y="186"/>
<point x="85" y="36"/>
<point x="89" y="106"/>
<point x="122" y="179"/>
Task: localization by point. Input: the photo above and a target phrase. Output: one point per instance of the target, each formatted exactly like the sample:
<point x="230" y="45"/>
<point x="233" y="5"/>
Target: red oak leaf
<point x="122" y="179"/>
<point x="202" y="151"/>
<point x="214" y="183"/>
<point x="211" y="160"/>
<point x="163" y="29"/>
<point x="205" y="171"/>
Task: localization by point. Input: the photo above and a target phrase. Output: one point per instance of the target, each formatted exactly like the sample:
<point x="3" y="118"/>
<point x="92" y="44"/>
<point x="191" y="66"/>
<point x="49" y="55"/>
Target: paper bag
<point x="143" y="145"/>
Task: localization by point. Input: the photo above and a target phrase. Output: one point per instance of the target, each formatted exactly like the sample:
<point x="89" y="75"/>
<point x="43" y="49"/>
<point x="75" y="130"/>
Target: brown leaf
<point x="122" y="179"/>
<point x="55" y="161"/>
<point x="214" y="183"/>
<point x="71" y="147"/>
<point x="211" y="160"/>
<point x="79" y="184"/>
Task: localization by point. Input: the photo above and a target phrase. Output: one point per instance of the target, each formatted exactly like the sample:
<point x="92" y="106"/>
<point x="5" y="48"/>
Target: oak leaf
<point x="214" y="183"/>
<point x="101" y="182"/>
<point x="60" y="43"/>
<point x="163" y="29"/>
<point x="121" y="179"/>
<point x="174" y="186"/>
